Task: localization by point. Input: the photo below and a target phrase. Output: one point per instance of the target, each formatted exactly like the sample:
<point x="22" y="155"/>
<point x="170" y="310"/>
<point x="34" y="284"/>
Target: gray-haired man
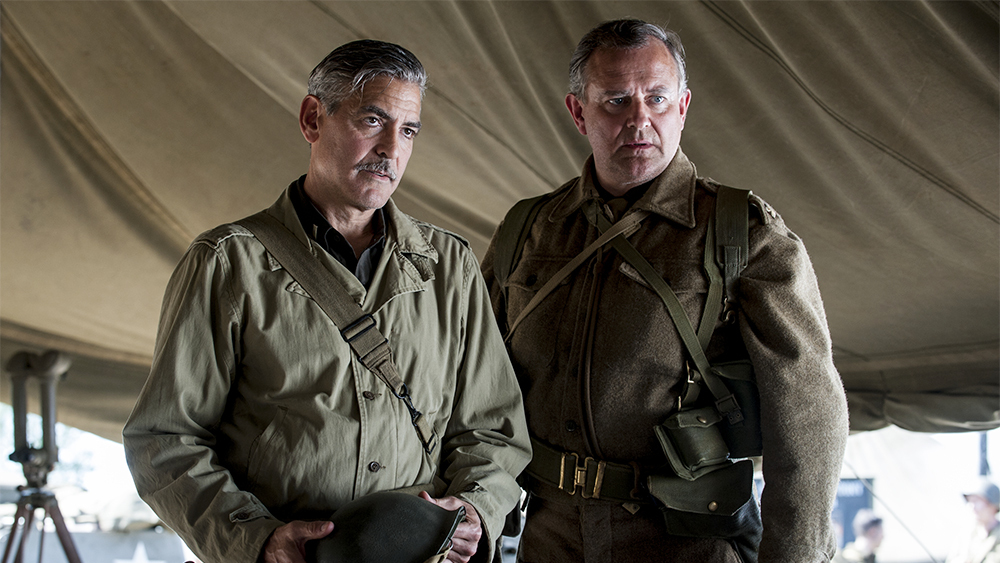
<point x="258" y="421"/>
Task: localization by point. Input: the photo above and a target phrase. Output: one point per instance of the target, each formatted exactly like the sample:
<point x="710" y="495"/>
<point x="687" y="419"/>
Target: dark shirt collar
<point x="319" y="230"/>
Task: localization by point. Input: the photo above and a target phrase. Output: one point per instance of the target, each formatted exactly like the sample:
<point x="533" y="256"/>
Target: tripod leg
<point x="22" y="507"/>
<point x="69" y="548"/>
<point x="41" y="534"/>
<point x="29" y="520"/>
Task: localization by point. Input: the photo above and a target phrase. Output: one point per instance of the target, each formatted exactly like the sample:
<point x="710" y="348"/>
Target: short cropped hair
<point x="623" y="34"/>
<point x="348" y="68"/>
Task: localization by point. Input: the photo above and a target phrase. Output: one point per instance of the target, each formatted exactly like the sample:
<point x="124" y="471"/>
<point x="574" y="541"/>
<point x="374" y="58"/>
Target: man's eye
<point x="371" y="120"/>
<point x="616" y="101"/>
<point x="658" y="99"/>
<point x="409" y="133"/>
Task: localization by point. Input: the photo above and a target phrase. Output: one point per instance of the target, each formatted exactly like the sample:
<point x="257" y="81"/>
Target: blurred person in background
<point x="984" y="545"/>
<point x="868" y="534"/>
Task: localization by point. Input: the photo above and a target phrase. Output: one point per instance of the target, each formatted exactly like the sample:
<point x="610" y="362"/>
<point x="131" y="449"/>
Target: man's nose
<point x="638" y="115"/>
<point x="388" y="144"/>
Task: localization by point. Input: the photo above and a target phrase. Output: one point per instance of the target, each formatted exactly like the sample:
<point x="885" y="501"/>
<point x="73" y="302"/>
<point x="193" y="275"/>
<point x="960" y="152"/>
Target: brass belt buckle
<point x="580" y="472"/>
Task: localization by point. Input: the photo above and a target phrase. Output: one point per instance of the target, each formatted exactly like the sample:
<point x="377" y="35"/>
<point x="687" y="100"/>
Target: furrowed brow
<point x="615" y="93"/>
<point x="384" y="115"/>
<point x="375" y="110"/>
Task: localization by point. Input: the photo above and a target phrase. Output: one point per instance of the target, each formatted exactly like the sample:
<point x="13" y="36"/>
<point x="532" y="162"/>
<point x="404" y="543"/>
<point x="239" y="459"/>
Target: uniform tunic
<point x="600" y="363"/>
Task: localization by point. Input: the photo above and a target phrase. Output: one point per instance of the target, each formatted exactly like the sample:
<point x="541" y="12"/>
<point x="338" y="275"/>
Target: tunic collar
<point x="671" y="194"/>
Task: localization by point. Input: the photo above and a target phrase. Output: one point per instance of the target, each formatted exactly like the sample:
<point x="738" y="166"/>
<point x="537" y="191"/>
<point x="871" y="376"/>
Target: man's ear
<point x="310" y="113"/>
<point x="576" y="110"/>
<point x="682" y="105"/>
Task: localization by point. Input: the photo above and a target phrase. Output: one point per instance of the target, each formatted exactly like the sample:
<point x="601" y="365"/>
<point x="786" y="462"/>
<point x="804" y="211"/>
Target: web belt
<point x="594" y="479"/>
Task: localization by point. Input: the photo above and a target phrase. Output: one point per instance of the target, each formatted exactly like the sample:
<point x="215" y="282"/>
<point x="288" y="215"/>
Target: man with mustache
<point x="261" y="417"/>
<point x="636" y="456"/>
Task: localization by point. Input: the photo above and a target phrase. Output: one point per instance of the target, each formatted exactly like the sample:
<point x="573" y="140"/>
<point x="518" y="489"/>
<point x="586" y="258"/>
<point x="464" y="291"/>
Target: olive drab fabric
<point x="257" y="412"/>
<point x="600" y="363"/>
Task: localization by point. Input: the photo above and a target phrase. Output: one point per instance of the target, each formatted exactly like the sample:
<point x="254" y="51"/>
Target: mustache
<point x="381" y="166"/>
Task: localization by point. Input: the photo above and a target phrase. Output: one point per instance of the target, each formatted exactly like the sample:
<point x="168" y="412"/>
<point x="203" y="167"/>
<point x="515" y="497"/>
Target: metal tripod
<point x="37" y="463"/>
<point x="26" y="505"/>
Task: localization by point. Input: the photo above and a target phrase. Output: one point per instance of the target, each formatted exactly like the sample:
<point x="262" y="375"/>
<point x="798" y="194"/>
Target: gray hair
<point x="348" y="68"/>
<point x="623" y="34"/>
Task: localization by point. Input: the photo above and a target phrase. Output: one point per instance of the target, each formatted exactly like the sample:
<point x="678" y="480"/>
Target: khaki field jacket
<point x="256" y="412"/>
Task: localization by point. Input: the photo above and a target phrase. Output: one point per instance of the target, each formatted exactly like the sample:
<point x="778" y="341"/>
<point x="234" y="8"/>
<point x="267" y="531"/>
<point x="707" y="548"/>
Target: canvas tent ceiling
<point x="126" y="128"/>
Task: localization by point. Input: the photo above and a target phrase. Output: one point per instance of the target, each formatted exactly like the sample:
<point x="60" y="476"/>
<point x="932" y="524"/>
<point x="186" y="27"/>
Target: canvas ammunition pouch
<point x="718" y="504"/>
<point x="698" y="439"/>
<point x="387" y="526"/>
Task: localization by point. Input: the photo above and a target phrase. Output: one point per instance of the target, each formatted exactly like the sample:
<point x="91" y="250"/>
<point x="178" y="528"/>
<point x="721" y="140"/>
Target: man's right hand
<point x="287" y="544"/>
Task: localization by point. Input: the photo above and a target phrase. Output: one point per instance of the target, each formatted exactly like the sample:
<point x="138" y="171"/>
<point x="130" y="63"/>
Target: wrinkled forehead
<point x="650" y="67"/>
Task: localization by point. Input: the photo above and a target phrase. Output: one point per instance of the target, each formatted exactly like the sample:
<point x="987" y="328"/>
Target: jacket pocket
<point x="682" y="277"/>
<point x="262" y="444"/>
<point x="531" y="274"/>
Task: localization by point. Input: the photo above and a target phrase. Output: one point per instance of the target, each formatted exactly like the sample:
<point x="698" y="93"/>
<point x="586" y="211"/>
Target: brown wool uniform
<point x="600" y="363"/>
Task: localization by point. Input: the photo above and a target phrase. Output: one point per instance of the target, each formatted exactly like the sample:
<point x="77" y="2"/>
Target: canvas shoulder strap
<point x="356" y="327"/>
<point x="732" y="238"/>
<point x="511" y="235"/>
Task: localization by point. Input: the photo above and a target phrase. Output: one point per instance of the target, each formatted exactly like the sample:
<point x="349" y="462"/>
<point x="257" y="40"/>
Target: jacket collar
<point x="400" y="228"/>
<point x="671" y="194"/>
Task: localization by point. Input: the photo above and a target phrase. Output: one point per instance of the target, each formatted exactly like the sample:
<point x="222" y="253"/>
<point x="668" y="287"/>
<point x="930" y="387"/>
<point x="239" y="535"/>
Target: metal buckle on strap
<point x="358" y="328"/>
<point x="730" y="408"/>
<point x="581" y="474"/>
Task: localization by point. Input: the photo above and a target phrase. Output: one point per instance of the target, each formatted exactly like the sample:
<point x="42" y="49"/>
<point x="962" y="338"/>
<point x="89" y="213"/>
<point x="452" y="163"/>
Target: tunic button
<point x="531" y="280"/>
<point x="374" y="467"/>
<point x="713" y="506"/>
<point x="368" y="395"/>
<point x="571" y="426"/>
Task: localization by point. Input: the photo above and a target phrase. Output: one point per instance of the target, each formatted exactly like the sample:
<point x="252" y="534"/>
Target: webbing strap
<point x="713" y="300"/>
<point x="725" y="401"/>
<point x="511" y="235"/>
<point x="732" y="236"/>
<point x="623" y="228"/>
<point x="360" y="332"/>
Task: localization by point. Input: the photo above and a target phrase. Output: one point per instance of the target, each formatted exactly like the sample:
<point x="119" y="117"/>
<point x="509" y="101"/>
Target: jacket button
<point x="368" y="395"/>
<point x="530" y="281"/>
<point x="242" y="516"/>
<point x="713" y="506"/>
<point x="571" y="426"/>
<point x="374" y="467"/>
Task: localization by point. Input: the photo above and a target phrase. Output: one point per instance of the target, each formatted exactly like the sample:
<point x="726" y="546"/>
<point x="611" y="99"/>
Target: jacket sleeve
<point x="803" y="406"/>
<point x="486" y="444"/>
<point x="169" y="440"/>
